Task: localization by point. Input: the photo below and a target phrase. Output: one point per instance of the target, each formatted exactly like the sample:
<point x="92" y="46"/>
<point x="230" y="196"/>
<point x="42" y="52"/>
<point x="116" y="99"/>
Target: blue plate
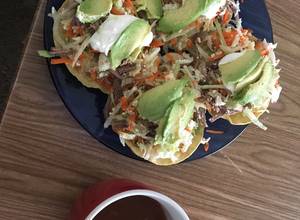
<point x="86" y="105"/>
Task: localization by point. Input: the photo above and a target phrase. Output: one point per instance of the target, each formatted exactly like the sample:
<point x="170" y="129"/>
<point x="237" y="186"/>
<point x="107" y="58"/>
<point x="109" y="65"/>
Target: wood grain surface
<point x="46" y="158"/>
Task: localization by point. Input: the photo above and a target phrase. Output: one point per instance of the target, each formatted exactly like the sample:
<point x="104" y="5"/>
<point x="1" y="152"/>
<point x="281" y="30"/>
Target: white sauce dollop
<point x="230" y="58"/>
<point x="212" y="10"/>
<point x="148" y="39"/>
<point x="110" y="31"/>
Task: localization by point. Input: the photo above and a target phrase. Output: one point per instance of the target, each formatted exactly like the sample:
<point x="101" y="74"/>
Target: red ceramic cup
<point x="96" y="198"/>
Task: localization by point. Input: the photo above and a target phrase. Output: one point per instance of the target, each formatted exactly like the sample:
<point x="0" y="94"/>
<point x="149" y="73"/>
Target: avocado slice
<point x="131" y="39"/>
<point x="90" y="11"/>
<point x="258" y="92"/>
<point x="152" y="7"/>
<point x="252" y="77"/>
<point x="154" y="103"/>
<point x="236" y="70"/>
<point x="176" y="19"/>
<point x="176" y="119"/>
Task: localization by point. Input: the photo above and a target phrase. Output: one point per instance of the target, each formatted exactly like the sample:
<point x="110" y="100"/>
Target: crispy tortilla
<point x="240" y="119"/>
<point x="152" y="155"/>
<point x="59" y="39"/>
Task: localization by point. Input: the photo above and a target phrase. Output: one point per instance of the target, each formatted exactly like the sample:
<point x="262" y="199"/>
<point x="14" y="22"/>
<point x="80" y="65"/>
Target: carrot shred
<point x="188" y="130"/>
<point x="170" y="57"/>
<point x="196" y="24"/>
<point x="229" y="37"/>
<point x="93" y="75"/>
<point x="216" y="56"/>
<point x="82" y="57"/>
<point x="63" y="60"/>
<point x="173" y="42"/>
<point x="264" y="53"/>
<point x="156" y="43"/>
<point x="128" y="4"/>
<point x="131" y="121"/>
<point x="226" y="17"/>
<point x="117" y="11"/>
<point x="214" y="131"/>
<point x="157" y="62"/>
<point x="69" y="33"/>
<point x="260" y="47"/>
<point x="189" y="43"/>
<point x="105" y="84"/>
<point x="206" y="147"/>
<point x="124" y="103"/>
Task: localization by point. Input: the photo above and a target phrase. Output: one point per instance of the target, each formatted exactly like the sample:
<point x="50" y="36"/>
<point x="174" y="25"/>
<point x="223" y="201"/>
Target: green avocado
<point x="236" y="70"/>
<point x="154" y="103"/>
<point x="257" y="92"/>
<point x="130" y="40"/>
<point x="176" y="119"/>
<point x="176" y="19"/>
<point x="90" y="11"/>
<point x="152" y="7"/>
<point x="252" y="77"/>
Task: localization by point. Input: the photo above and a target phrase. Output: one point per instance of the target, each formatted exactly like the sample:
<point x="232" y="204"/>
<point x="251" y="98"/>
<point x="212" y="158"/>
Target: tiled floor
<point x="16" y="17"/>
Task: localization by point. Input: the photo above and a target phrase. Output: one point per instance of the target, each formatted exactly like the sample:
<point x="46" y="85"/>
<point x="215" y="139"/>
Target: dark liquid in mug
<point x="133" y="208"/>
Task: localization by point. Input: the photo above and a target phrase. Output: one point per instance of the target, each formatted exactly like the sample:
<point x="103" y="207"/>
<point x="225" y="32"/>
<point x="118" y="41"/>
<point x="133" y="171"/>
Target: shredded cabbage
<point x="249" y="114"/>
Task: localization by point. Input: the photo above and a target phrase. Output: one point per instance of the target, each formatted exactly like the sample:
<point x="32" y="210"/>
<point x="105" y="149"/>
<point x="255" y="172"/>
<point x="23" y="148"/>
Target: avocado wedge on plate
<point x="252" y="79"/>
<point x="176" y="19"/>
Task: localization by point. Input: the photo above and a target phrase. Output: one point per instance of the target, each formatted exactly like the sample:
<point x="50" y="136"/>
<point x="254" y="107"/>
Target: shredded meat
<point x="107" y="108"/>
<point x="150" y="126"/>
<point x="200" y="117"/>
<point x="117" y="90"/>
<point x="126" y="68"/>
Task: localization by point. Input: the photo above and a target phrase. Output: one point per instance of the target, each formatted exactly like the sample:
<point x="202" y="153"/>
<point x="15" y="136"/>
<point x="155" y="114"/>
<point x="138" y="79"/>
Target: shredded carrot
<point x="229" y="37"/>
<point x="170" y="57"/>
<point x="188" y="130"/>
<point x="63" y="60"/>
<point x="131" y="121"/>
<point x="156" y="43"/>
<point x="69" y="33"/>
<point x="82" y="57"/>
<point x="226" y="17"/>
<point x="105" y="84"/>
<point x="128" y="4"/>
<point x="157" y="61"/>
<point x="73" y="31"/>
<point x="206" y="147"/>
<point x="93" y="74"/>
<point x="216" y="56"/>
<point x="124" y="103"/>
<point x="260" y="47"/>
<point x="79" y="30"/>
<point x="214" y="132"/>
<point x="264" y="53"/>
<point x="196" y="24"/>
<point x="189" y="43"/>
<point x="150" y="78"/>
<point x="153" y="77"/>
<point x="117" y="11"/>
<point x="173" y="42"/>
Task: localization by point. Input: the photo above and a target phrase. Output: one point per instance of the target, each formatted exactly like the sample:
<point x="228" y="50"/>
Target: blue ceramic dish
<point x="86" y="105"/>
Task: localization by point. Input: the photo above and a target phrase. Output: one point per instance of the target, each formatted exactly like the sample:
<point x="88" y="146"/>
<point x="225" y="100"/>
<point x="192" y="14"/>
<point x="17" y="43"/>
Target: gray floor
<point x="16" y="17"/>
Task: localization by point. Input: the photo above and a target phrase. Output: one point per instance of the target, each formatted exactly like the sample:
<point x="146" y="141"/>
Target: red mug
<point x="97" y="197"/>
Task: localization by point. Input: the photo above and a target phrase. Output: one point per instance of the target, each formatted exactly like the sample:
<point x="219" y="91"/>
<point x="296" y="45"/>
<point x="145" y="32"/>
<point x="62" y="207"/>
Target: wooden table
<point x="46" y="158"/>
